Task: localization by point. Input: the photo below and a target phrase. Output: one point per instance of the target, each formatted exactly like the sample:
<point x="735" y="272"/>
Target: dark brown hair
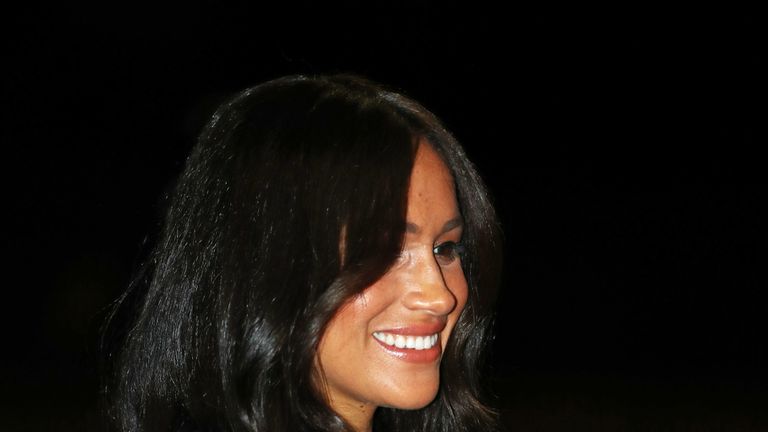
<point x="247" y="270"/>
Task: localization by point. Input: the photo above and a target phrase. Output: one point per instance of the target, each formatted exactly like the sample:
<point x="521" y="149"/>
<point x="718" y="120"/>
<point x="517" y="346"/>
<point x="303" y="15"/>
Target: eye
<point x="447" y="252"/>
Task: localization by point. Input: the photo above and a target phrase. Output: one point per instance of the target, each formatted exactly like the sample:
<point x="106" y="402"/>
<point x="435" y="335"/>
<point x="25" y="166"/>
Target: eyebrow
<point x="458" y="221"/>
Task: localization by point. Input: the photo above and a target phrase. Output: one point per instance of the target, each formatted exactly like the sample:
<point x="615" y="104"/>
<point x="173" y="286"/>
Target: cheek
<point x="352" y="322"/>
<point x="343" y="354"/>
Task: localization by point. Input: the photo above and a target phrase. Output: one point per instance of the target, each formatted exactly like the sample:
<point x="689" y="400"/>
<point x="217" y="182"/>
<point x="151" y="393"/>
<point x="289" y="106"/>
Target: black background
<point x="622" y="148"/>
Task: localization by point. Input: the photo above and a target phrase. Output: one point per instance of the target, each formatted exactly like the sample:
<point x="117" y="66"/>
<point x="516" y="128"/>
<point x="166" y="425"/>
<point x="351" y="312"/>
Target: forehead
<point x="429" y="167"/>
<point x="432" y="184"/>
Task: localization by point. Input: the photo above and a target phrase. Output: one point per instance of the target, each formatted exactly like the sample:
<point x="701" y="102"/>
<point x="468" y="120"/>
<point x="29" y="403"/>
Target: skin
<point x="421" y="288"/>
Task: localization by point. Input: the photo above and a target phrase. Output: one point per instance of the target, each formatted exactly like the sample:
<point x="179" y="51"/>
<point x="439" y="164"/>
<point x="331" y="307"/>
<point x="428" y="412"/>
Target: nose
<point x="427" y="290"/>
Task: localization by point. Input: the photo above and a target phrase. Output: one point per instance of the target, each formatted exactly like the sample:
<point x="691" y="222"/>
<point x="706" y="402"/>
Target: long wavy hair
<point x="247" y="271"/>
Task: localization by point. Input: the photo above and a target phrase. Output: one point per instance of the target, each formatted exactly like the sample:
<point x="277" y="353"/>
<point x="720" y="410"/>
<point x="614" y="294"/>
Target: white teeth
<point x="409" y="342"/>
<point x="419" y="343"/>
<point x="399" y="341"/>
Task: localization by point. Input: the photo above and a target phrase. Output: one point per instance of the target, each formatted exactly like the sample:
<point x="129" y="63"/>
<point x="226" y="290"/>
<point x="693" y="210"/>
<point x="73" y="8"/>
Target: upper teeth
<point x="412" y="342"/>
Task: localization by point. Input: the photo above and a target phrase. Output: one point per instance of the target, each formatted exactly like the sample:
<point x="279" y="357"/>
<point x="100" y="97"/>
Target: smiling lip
<point x="411" y="355"/>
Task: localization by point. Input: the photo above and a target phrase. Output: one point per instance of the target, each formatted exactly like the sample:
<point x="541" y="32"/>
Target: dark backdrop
<point x="621" y="146"/>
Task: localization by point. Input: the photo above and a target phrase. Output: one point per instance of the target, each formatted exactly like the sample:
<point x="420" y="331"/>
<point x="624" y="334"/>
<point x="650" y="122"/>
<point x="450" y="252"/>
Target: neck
<point x="359" y="416"/>
<point x="365" y="427"/>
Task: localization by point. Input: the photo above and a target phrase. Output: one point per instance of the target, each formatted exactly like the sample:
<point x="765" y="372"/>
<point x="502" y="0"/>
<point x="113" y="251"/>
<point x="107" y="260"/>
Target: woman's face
<point x="384" y="347"/>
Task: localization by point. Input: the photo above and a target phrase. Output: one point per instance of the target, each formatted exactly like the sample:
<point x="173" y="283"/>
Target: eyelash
<point x="457" y="251"/>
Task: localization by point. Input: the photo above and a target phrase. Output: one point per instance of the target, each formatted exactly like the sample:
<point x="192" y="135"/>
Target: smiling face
<point x="383" y="348"/>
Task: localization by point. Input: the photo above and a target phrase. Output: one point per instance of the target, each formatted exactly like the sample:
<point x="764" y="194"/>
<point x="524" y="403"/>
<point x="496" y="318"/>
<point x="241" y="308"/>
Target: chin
<point x="416" y="406"/>
<point x="413" y="400"/>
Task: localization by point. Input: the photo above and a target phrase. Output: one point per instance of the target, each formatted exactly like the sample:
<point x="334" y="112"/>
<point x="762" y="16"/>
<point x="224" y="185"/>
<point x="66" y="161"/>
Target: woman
<point x="327" y="263"/>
